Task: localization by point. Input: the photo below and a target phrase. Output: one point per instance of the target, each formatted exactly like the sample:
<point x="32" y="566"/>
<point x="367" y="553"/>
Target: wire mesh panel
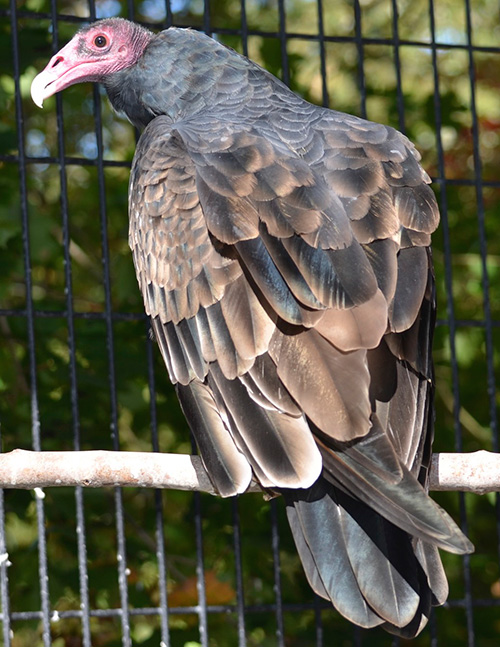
<point x="78" y="369"/>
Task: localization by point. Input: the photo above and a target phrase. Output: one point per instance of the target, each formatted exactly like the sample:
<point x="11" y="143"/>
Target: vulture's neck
<point x="183" y="73"/>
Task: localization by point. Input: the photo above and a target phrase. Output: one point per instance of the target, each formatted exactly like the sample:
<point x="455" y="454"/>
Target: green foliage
<point x="89" y="200"/>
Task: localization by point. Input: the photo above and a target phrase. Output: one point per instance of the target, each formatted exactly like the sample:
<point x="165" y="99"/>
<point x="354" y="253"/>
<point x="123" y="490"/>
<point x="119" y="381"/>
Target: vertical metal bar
<point x="433" y="629"/>
<point x="491" y="384"/>
<point x="322" y="55"/>
<point x="244" y="27"/>
<point x="4" y="574"/>
<point x="200" y="565"/>
<point x="206" y="18"/>
<point x="162" y="570"/>
<point x="450" y="308"/>
<point x="358" y="38"/>
<point x="280" y="625"/>
<point x="283" y="38"/>
<point x="318" y="623"/>
<point x="130" y="9"/>
<point x="160" y="535"/>
<point x="118" y="495"/>
<point x="240" y="597"/>
<point x="491" y="387"/>
<point x="159" y="520"/>
<point x="35" y="413"/>
<point x="200" y="573"/>
<point x="397" y="65"/>
<point x="80" y="515"/>
<point x="168" y="11"/>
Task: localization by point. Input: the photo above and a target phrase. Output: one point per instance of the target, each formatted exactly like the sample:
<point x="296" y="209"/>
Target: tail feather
<point x="315" y="522"/>
<point x="373" y="572"/>
<point x="405" y="503"/>
<point x="428" y="556"/>
<point x="393" y="567"/>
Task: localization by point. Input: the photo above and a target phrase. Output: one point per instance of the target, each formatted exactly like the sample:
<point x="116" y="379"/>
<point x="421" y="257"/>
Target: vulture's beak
<point x="53" y="78"/>
<point x="40" y="88"/>
<point x="64" y="69"/>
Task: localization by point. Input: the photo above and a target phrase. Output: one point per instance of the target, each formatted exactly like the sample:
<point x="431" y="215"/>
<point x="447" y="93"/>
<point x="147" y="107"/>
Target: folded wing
<point x="293" y="302"/>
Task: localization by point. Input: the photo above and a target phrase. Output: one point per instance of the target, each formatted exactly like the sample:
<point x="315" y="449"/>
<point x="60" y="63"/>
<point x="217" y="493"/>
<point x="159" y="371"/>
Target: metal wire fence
<point x="430" y="68"/>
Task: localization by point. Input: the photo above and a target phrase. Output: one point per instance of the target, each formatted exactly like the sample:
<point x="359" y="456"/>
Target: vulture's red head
<point x="96" y="51"/>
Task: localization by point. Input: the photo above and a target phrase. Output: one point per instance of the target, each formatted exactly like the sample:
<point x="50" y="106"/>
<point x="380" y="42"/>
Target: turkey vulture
<point x="282" y="250"/>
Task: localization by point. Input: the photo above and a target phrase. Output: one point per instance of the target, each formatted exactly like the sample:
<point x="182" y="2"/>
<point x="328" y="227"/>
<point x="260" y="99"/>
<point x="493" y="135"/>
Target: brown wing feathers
<point x="295" y="316"/>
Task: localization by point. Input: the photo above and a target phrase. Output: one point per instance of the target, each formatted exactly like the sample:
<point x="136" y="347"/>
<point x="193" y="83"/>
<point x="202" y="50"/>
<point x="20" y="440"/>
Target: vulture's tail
<point x="375" y="573"/>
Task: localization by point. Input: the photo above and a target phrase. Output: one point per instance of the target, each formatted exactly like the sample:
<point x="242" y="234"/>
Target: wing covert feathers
<point x="283" y="257"/>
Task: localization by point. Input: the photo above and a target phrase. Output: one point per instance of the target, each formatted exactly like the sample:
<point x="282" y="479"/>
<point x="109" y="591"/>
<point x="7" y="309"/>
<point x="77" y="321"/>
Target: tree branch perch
<point x="477" y="472"/>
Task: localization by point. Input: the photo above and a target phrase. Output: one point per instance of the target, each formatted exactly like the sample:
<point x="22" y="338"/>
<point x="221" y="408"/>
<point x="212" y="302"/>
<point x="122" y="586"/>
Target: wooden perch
<point x="477" y="472"/>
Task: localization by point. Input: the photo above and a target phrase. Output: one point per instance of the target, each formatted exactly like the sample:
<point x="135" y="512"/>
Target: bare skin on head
<point x="97" y="51"/>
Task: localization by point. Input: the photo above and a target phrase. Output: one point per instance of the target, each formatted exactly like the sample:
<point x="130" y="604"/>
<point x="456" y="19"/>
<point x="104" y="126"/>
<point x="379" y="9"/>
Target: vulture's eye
<point x="100" y="41"/>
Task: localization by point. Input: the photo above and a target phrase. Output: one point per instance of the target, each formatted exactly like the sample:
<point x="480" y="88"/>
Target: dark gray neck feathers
<point x="183" y="73"/>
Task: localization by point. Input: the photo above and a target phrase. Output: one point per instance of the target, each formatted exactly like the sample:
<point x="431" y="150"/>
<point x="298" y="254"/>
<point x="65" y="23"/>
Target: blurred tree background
<point x="376" y="61"/>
